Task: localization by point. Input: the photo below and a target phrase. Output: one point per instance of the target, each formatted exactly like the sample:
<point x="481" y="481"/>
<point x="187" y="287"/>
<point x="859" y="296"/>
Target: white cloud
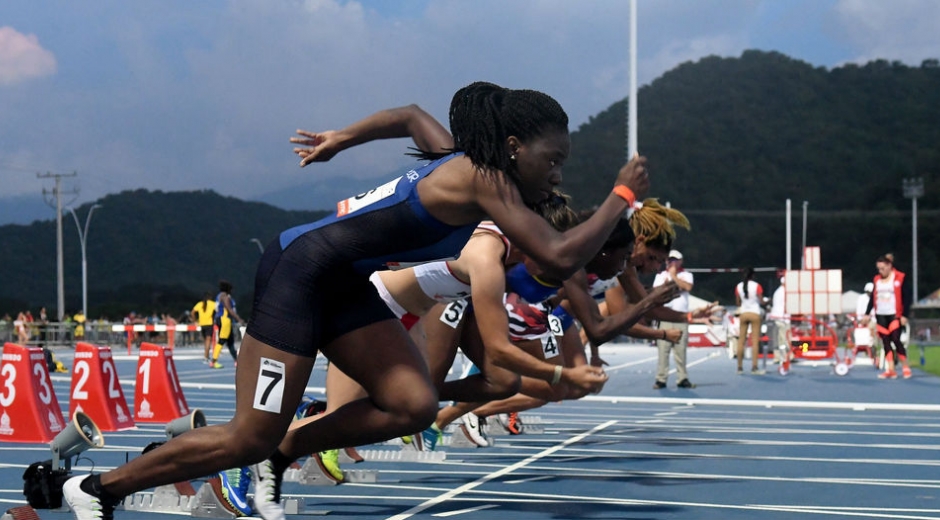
<point x="22" y="58"/>
<point x="206" y="94"/>
<point x="904" y="30"/>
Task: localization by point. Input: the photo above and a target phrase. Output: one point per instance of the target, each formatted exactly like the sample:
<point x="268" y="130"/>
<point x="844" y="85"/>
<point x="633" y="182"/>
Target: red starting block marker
<point x="158" y="396"/>
<point x="96" y="390"/>
<point x="29" y="410"/>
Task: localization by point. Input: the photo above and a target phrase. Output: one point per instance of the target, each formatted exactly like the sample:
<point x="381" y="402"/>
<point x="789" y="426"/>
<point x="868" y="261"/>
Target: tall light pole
<point x="803" y="252"/>
<point x="631" y="100"/>
<point x="82" y="235"/>
<point x="913" y="189"/>
<point x="258" y="242"/>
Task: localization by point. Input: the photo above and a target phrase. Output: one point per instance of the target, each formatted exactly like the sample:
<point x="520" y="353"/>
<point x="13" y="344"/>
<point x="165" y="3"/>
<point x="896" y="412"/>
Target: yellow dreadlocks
<point x="656" y="223"/>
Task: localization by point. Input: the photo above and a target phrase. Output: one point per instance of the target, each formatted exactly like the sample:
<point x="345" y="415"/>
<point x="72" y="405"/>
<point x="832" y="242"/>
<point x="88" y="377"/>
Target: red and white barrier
<point x="96" y="390"/>
<point x="170" y="330"/>
<point x="158" y="396"/>
<point x="29" y="410"/>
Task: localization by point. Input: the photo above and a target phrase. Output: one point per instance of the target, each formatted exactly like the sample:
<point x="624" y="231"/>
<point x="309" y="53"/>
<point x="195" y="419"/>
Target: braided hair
<point x="746" y="276"/>
<point x="483" y="115"/>
<point x="657" y="223"/>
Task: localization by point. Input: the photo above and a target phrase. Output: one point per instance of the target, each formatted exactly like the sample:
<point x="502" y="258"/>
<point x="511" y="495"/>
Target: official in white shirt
<point x="684" y="280"/>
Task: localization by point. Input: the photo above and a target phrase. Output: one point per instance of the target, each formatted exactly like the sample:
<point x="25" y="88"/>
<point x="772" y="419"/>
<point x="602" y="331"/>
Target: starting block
<point x="171" y="498"/>
<point x="311" y="474"/>
<point x="403" y="456"/>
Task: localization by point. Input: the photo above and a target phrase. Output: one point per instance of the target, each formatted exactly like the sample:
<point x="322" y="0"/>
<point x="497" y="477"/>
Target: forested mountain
<point x="146" y="251"/>
<point x="728" y="141"/>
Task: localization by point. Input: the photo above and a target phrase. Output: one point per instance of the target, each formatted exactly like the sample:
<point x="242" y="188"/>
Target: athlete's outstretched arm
<point x="487" y="289"/>
<point x="601" y="329"/>
<point x="559" y="254"/>
<point x="408" y="121"/>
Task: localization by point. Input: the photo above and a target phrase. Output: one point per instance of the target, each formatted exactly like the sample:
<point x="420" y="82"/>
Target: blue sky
<point x="187" y="95"/>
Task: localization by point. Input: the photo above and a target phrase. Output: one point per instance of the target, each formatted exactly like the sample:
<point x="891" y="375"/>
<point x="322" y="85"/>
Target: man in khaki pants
<point x="684" y="280"/>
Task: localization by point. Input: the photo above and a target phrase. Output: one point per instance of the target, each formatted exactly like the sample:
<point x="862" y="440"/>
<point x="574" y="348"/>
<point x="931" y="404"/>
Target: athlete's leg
<point x="401" y="399"/>
<point x="249" y="437"/>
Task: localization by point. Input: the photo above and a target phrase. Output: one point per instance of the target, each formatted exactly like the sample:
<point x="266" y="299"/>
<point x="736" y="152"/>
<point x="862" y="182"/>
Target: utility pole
<point x="913" y="189"/>
<point x="60" y="270"/>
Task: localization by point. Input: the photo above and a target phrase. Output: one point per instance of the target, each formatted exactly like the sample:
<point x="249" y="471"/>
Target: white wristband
<point x="556" y="377"/>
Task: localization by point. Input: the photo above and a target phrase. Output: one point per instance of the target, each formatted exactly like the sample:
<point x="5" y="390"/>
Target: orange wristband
<point x="625" y="193"/>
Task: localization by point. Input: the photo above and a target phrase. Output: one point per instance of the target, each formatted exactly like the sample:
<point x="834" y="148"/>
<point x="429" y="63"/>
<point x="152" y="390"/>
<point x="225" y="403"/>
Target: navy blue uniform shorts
<point x="306" y="296"/>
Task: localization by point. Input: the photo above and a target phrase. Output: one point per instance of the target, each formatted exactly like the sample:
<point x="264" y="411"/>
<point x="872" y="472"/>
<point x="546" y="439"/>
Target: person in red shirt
<point x="891" y="300"/>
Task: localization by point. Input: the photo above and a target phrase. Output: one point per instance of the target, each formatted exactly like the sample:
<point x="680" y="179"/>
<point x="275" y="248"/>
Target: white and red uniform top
<point x="751" y="302"/>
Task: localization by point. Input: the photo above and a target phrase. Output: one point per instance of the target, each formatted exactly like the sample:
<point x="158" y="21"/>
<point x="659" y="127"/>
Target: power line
<point x="834" y="214"/>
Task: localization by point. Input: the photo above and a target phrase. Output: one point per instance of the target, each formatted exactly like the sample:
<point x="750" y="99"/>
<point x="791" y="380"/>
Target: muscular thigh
<point x="269" y="384"/>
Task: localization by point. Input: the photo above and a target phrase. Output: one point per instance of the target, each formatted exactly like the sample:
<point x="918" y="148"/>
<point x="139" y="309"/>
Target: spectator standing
<point x="684" y="280"/>
<point x="43" y="326"/>
<point x="780" y="319"/>
<point x="891" y="300"/>
<point x="22" y="330"/>
<point x="749" y="296"/>
<point x="202" y="314"/>
<point x="225" y="317"/>
<point x="79" y="320"/>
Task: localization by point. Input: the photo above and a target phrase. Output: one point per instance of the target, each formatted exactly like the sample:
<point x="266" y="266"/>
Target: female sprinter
<point x="312" y="292"/>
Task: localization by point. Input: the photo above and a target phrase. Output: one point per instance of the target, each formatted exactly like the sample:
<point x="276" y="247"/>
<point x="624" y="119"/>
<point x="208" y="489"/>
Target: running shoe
<point x="234" y="487"/>
<point x="471" y="429"/>
<point x="757" y="372"/>
<point x="408" y="439"/>
<point x="906" y="372"/>
<point x="215" y="364"/>
<point x="888" y="374"/>
<point x="685" y="383"/>
<point x="329" y="464"/>
<point x="430" y="437"/>
<point x="267" y="491"/>
<point x="84" y="505"/>
<point x="514" y="425"/>
<point x="353" y="454"/>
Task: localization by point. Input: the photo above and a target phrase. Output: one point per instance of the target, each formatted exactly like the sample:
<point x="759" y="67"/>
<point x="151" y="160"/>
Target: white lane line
<point x="697" y="362"/>
<point x="496" y="474"/>
<point x="631" y="363"/>
<point x="554" y="499"/>
<point x="462" y="511"/>
<point x="763" y="403"/>
<point x="529" y="479"/>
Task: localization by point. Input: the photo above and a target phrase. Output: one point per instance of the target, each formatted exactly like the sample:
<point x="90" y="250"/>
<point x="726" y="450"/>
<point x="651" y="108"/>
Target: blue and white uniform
<point x="312" y="284"/>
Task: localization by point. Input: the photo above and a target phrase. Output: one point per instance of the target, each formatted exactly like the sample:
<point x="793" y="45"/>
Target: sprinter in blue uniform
<point x="312" y="292"/>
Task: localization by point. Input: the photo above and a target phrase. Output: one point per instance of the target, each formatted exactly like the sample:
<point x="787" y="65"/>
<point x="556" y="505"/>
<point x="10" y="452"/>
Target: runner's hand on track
<point x="585" y="377"/>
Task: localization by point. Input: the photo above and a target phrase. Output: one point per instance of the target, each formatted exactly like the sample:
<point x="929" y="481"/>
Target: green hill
<point x="146" y="251"/>
<point x="730" y="139"/>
